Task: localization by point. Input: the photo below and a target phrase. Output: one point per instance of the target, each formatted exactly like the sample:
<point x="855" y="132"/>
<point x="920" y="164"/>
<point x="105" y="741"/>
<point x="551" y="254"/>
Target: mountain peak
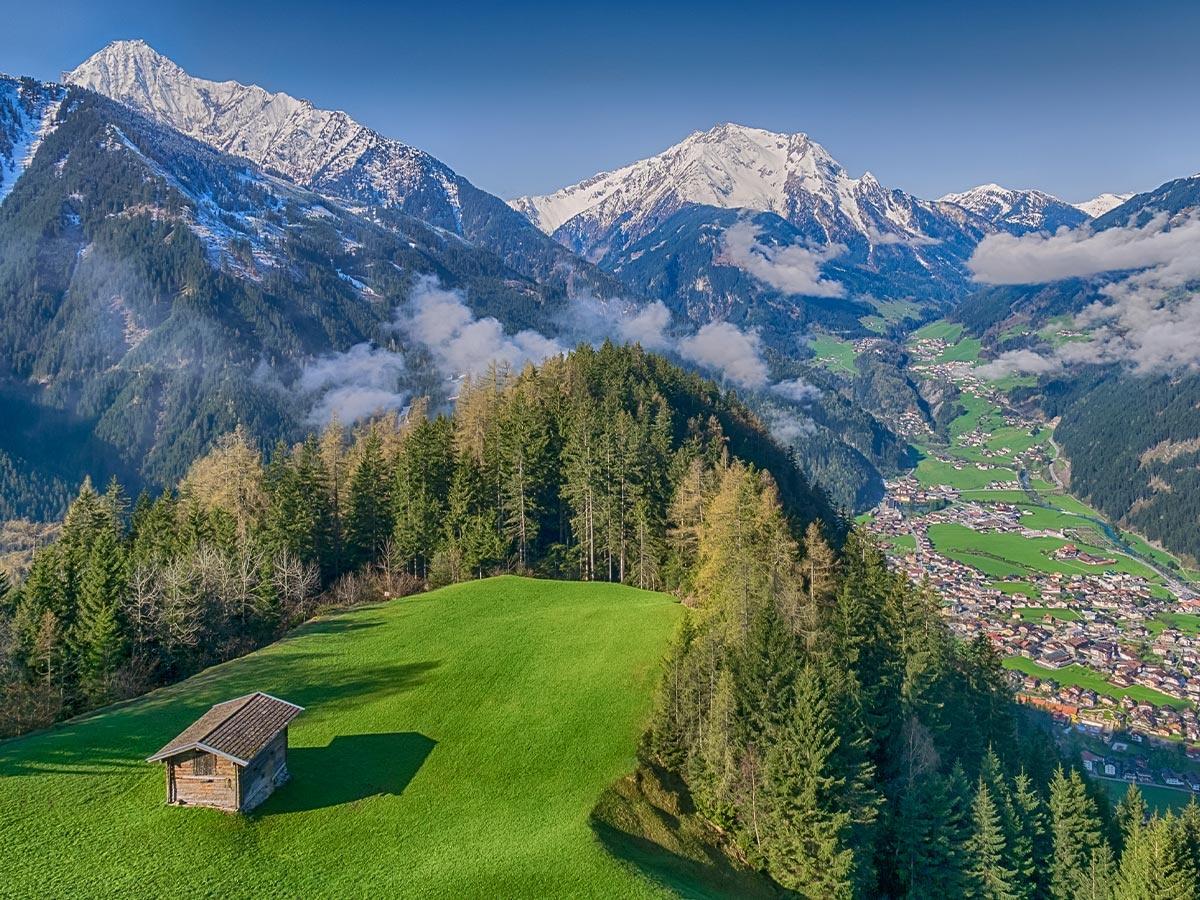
<point x="730" y="166"/>
<point x="1016" y="210"/>
<point x="1098" y="206"/>
<point x="322" y="149"/>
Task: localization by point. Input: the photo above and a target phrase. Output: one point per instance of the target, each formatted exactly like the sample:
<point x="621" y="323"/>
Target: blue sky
<point x="1073" y="98"/>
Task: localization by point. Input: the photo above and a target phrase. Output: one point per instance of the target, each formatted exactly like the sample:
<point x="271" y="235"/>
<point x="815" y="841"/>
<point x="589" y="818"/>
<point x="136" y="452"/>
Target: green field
<point x="1079" y="676"/>
<point x="1187" y="623"/>
<point x="834" y="353"/>
<point x="1016" y="587"/>
<point x="931" y="472"/>
<point x="1037" y="613"/>
<point x="1010" y="555"/>
<point x="1158" y="798"/>
<point x="453" y="744"/>
<point x="946" y="331"/>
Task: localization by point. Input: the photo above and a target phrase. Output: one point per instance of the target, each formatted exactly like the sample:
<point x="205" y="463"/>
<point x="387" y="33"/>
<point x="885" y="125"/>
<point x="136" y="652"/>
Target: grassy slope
<point x="834" y="353"/>
<point x="453" y="745"/>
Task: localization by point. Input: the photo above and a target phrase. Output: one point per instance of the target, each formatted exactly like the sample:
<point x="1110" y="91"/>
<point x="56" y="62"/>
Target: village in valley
<point x="1098" y="628"/>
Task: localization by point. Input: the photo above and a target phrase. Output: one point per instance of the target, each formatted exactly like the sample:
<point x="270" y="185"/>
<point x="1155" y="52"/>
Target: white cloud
<point x="797" y="390"/>
<point x="647" y="327"/>
<point x="728" y="349"/>
<point x="1079" y="252"/>
<point x="1018" y="362"/>
<point x="1149" y="320"/>
<point x="795" y="269"/>
<point x="363" y="381"/>
<point x="461" y="344"/>
<point x="787" y="427"/>
<point x="884" y="238"/>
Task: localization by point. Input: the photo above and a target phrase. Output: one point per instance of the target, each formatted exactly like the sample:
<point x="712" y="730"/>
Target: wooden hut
<point x="232" y="757"/>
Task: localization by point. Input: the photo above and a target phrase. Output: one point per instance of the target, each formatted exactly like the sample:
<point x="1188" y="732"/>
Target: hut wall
<point x="220" y="789"/>
<point x="266" y="771"/>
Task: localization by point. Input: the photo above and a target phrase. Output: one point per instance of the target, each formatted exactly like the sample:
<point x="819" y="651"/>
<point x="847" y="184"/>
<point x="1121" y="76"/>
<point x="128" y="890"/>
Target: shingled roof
<point x="236" y="729"/>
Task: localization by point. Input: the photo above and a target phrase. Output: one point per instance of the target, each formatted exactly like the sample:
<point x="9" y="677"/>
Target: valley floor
<point x="453" y="744"/>
<point x="1100" y="625"/>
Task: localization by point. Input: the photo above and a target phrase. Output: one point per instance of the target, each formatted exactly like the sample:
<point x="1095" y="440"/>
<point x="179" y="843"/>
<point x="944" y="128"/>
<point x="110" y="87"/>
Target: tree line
<point x="568" y="470"/>
<point x="841" y="741"/>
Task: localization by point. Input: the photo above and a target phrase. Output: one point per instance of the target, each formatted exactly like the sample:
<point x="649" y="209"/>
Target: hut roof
<point x="236" y="729"/>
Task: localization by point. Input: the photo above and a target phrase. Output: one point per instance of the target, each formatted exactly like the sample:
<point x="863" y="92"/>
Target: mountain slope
<point x="661" y="224"/>
<point x="1020" y="211"/>
<point x="330" y="153"/>
<point x="489" y="716"/>
<point x="147" y="279"/>
<point x="1128" y="421"/>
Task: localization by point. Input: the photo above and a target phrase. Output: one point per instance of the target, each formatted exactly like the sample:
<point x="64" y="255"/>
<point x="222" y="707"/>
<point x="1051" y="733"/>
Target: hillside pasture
<point x="453" y="744"/>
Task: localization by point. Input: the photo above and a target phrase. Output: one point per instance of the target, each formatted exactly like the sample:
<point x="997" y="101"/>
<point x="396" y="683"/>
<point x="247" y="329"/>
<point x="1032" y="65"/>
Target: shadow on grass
<point x="648" y="822"/>
<point x="352" y="767"/>
<point x="119" y="738"/>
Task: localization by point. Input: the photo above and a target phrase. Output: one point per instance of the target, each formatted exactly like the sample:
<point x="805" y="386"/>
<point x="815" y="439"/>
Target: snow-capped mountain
<point x="732" y="167"/>
<point x="27" y="111"/>
<point x="1018" y="211"/>
<point x="1098" y="206"/>
<point x="331" y="153"/>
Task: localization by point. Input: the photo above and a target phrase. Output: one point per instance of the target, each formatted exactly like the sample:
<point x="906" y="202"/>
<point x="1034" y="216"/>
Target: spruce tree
<point x="1156" y="864"/>
<point x="369" y="518"/>
<point x="97" y="637"/>
<point x="807" y="841"/>
<point x="1130" y="813"/>
<point x="988" y="877"/>
<point x="1075" y="830"/>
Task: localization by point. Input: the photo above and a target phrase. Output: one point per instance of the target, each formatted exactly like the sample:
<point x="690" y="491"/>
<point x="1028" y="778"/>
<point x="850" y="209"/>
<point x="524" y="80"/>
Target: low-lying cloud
<point x="1080" y="252"/>
<point x="728" y="349"/>
<point x="462" y="344"/>
<point x="1018" y="362"/>
<point x="797" y="390"/>
<point x="363" y="381"/>
<point x="367" y="380"/>
<point x="1148" y="320"/>
<point x="795" y="269"/>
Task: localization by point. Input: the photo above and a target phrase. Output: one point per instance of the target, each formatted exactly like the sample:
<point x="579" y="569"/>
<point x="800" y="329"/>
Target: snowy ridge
<point x="1098" y="206"/>
<point x="1017" y="210"/>
<point x="27" y="112"/>
<point x="732" y="167"/>
<point x="322" y="149"/>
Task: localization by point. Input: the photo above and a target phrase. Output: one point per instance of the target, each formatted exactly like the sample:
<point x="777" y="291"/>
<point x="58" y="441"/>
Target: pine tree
<point x="1029" y="847"/>
<point x="369" y="522"/>
<point x="929" y="844"/>
<point x="987" y="875"/>
<point x="1130" y="813"/>
<point x="1098" y="881"/>
<point x="1156" y="864"/>
<point x="97" y="638"/>
<point x="421" y="492"/>
<point x="807" y="842"/>
<point x="1075" y="829"/>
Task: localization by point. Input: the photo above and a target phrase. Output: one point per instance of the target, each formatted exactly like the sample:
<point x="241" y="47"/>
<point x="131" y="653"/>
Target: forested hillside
<point x="818" y="722"/>
<point x="158" y="293"/>
<point x="588" y="468"/>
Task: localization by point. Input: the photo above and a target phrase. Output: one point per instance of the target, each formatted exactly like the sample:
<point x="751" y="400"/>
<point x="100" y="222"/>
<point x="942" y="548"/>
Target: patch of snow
<point x="1098" y="206"/>
<point x="26" y="118"/>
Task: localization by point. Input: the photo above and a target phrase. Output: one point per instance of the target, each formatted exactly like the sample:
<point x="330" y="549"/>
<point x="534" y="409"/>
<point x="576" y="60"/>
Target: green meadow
<point x="1037" y="613"/>
<point x="1080" y="676"/>
<point x="453" y="744"/>
<point x="1012" y="556"/>
<point x="834" y="353"/>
